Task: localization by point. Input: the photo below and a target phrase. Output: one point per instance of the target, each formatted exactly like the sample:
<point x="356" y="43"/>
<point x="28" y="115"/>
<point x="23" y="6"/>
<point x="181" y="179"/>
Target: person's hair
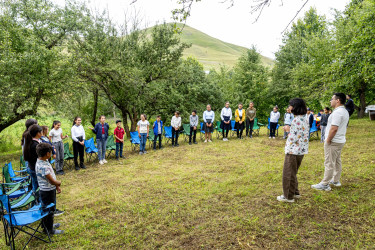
<point x="55" y="123"/>
<point x="299" y="106"/>
<point x="276" y="107"/>
<point x="44" y="130"/>
<point x="158" y="116"/>
<point x="177" y="112"/>
<point x="75" y="119"/>
<point x="144" y="115"/>
<point x="240" y="104"/>
<point x="226" y="103"/>
<point x="31" y="133"/>
<point x="100" y="117"/>
<point x="209" y="105"/>
<point x="321" y="110"/>
<point x="350" y="96"/>
<point x="42" y="149"/>
<point x="194" y="111"/>
<point x="251" y="103"/>
<point x="28" y="124"/>
<point x="341" y="97"/>
<point x="327" y="108"/>
<point x="118" y="121"/>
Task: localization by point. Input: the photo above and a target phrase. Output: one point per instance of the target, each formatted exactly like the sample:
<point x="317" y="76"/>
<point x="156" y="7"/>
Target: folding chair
<point x="202" y="131"/>
<point x="22" y="163"/>
<point x="268" y="128"/>
<point x="15" y="190"/>
<point x="233" y="127"/>
<point x="22" y="174"/>
<point x="135" y="140"/>
<point x="256" y="127"/>
<point x="186" y="131"/>
<point x="111" y="146"/>
<point x="168" y="133"/>
<point x="68" y="157"/>
<point x="15" y="222"/>
<point x="91" y="150"/>
<point x="151" y="137"/>
<point x="219" y="131"/>
<point x="314" y="132"/>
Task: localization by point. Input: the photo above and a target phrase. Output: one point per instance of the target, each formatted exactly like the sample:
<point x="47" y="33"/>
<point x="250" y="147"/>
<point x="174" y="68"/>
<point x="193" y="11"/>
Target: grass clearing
<point x="219" y="195"/>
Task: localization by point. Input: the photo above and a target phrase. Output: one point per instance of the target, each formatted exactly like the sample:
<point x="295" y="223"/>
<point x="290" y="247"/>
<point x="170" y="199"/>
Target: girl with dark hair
<point x="56" y="137"/>
<point x="274" y="119"/>
<point x="28" y="124"/>
<point x="296" y="147"/>
<point x="240" y="117"/>
<point x="29" y="152"/>
<point x="78" y="137"/>
<point x="226" y="116"/>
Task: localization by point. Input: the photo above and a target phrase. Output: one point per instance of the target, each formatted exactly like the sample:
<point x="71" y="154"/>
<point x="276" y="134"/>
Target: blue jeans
<point x="34" y="180"/>
<point x="142" y="146"/>
<point x="119" y="146"/>
<point x="102" y="144"/>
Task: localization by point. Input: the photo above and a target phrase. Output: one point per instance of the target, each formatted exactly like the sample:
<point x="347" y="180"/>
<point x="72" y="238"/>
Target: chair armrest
<point x="261" y="124"/>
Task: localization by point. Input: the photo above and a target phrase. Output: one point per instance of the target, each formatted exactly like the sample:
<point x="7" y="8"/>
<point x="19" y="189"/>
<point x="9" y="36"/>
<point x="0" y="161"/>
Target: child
<point x="226" y="116"/>
<point x="32" y="138"/>
<point x="56" y="136"/>
<point x="288" y="118"/>
<point x="119" y="136"/>
<point x="296" y="146"/>
<point x="158" y="128"/>
<point x="250" y="116"/>
<point x="193" y="127"/>
<point x="101" y="131"/>
<point x="45" y="139"/>
<point x="78" y="137"/>
<point x="176" y="124"/>
<point x="208" y="118"/>
<point x="47" y="186"/>
<point x="274" y="119"/>
<point x="143" y="129"/>
<point x="323" y="123"/>
<point x="239" y="117"/>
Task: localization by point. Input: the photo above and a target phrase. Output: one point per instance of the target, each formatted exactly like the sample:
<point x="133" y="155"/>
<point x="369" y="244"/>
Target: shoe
<point x="58" y="212"/>
<point x="190" y="143"/>
<point x="144" y="152"/>
<point x="56" y="231"/>
<point x="117" y="159"/>
<point x="205" y="141"/>
<point x="321" y="186"/>
<point x="251" y="136"/>
<point x="161" y="147"/>
<point x="83" y="166"/>
<point x="60" y="172"/>
<point x="172" y="146"/>
<point x="104" y="161"/>
<point x="122" y="157"/>
<point x="101" y="162"/>
<point x="195" y="142"/>
<point x="223" y="139"/>
<point x="209" y="140"/>
<point x="57" y="225"/>
<point x="336" y="184"/>
<point x="283" y="199"/>
<point x="297" y="196"/>
<point x="77" y="168"/>
<point x="141" y="153"/>
<point x="269" y="137"/>
<point x="177" y="145"/>
<point x="274" y="138"/>
<point x="153" y="148"/>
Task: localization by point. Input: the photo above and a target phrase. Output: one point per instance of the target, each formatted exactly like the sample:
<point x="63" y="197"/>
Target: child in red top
<point x="119" y="135"/>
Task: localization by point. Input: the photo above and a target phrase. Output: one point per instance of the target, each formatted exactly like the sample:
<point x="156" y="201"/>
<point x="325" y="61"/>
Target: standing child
<point x="119" y="136"/>
<point x="45" y="139"/>
<point x="56" y="136"/>
<point x="47" y="186"/>
<point x="176" y="124"/>
<point x="274" y="119"/>
<point x="251" y="113"/>
<point x="226" y="116"/>
<point x="193" y="127"/>
<point x="323" y="123"/>
<point x="296" y="146"/>
<point x="78" y="137"/>
<point x="158" y="128"/>
<point x="288" y="118"/>
<point x="239" y="117"/>
<point x="101" y="131"/>
<point x="143" y="129"/>
<point x="208" y="118"/>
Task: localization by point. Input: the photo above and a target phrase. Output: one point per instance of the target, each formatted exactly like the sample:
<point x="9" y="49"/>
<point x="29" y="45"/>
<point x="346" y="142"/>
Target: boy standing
<point x="158" y="128"/>
<point x="193" y="127"/>
<point x="119" y="135"/>
<point x="47" y="186"/>
<point x="176" y="124"/>
<point x="323" y="123"/>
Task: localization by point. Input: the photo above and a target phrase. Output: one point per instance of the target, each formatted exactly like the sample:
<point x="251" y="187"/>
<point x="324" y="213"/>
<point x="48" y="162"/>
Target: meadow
<point x="218" y="195"/>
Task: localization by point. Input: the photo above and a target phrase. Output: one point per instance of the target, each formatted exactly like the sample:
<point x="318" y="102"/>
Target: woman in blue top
<point x="101" y="131"/>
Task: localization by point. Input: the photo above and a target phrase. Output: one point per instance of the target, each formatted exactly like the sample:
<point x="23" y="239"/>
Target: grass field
<point x="219" y="195"/>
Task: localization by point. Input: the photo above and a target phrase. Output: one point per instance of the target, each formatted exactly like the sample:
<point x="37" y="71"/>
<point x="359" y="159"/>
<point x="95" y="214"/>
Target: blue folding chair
<point x="314" y="131"/>
<point x="168" y="133"/>
<point x="91" y="150"/>
<point x="202" y="131"/>
<point x="15" y="222"/>
<point x="269" y="126"/>
<point x="233" y="127"/>
<point x="135" y="140"/>
<point x="22" y="174"/>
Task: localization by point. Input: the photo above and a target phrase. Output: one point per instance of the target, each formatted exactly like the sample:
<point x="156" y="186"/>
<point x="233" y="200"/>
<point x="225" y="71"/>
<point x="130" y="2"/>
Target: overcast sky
<point x="234" y="25"/>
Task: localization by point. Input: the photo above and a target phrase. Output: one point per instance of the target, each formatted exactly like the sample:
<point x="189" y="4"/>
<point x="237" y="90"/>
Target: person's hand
<point x="240" y="122"/>
<point x="207" y="124"/>
<point x="58" y="189"/>
<point x="82" y="143"/>
<point x="147" y="135"/>
<point x="139" y="135"/>
<point x="91" y="128"/>
<point x="67" y="136"/>
<point x="195" y="128"/>
<point x="54" y="156"/>
<point x="328" y="142"/>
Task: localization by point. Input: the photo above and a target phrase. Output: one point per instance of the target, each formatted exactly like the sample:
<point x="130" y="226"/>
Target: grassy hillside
<point x="219" y="195"/>
<point x="212" y="52"/>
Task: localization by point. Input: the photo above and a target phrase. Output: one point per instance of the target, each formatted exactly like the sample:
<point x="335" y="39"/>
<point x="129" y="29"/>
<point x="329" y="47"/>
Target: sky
<point x="234" y="25"/>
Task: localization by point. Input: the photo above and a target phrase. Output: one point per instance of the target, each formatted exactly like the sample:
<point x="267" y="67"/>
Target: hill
<point x="212" y="52"/>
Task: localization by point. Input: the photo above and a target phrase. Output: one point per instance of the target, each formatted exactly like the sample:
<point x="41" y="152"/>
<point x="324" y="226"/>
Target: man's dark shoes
<point x="77" y="168"/>
<point x="190" y="143"/>
<point x="83" y="166"/>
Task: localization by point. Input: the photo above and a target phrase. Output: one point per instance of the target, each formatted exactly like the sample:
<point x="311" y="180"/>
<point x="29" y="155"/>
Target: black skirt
<point x="224" y="125"/>
<point x="206" y="128"/>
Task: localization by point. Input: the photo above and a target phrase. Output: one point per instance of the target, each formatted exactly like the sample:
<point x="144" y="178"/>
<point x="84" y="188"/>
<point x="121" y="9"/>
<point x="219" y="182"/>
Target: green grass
<point x="219" y="195"/>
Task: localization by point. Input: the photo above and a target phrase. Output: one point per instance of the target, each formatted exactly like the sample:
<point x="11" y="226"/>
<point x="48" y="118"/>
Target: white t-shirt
<point x="55" y="134"/>
<point x="340" y="118"/>
<point x="143" y="126"/>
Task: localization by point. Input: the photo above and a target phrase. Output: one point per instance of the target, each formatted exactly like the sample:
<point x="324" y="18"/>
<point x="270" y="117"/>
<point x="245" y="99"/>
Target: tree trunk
<point x="362" y="99"/>
<point x="125" y="122"/>
<point x="95" y="111"/>
<point x="133" y="120"/>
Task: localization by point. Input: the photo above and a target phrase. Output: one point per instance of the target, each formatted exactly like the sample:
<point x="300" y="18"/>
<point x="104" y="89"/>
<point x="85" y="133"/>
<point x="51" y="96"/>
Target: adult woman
<point x="78" y="137"/>
<point x="208" y="118"/>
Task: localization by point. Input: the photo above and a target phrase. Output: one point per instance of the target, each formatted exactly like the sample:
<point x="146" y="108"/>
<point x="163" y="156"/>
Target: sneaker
<point x="60" y="172"/>
<point x="205" y="141"/>
<point x="57" y="225"/>
<point x="209" y="140"/>
<point x="117" y="159"/>
<point x="195" y="142"/>
<point x="274" y="138"/>
<point x="251" y="136"/>
<point x="83" y="166"/>
<point x="172" y="146"/>
<point x="101" y="162"/>
<point x="141" y="153"/>
<point x="190" y="143"/>
<point x="56" y="231"/>
<point x="269" y="137"/>
<point x="58" y="212"/>
<point x="297" y="196"/>
<point x="336" y="184"/>
<point x="122" y="157"/>
<point x="321" y="186"/>
<point x="177" y="145"/>
<point x="77" y="168"/>
<point x="224" y="139"/>
<point x="283" y="199"/>
<point x="104" y="161"/>
<point x="145" y="152"/>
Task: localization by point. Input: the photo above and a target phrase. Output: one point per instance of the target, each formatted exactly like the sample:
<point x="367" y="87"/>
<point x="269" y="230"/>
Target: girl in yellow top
<point x="240" y="117"/>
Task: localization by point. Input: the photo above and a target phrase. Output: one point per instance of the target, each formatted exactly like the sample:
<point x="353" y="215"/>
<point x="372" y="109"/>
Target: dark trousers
<point x="225" y="132"/>
<point x="155" y="139"/>
<point x="251" y="125"/>
<point x="175" y="136"/>
<point x="48" y="197"/>
<point x="273" y="126"/>
<point x="239" y="128"/>
<point x="119" y="147"/>
<point x="193" y="133"/>
<point x="78" y="149"/>
<point x="290" y="170"/>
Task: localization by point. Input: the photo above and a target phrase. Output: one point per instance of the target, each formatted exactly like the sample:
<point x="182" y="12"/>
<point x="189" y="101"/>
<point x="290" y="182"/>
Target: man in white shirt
<point x="335" y="141"/>
<point x="176" y="124"/>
